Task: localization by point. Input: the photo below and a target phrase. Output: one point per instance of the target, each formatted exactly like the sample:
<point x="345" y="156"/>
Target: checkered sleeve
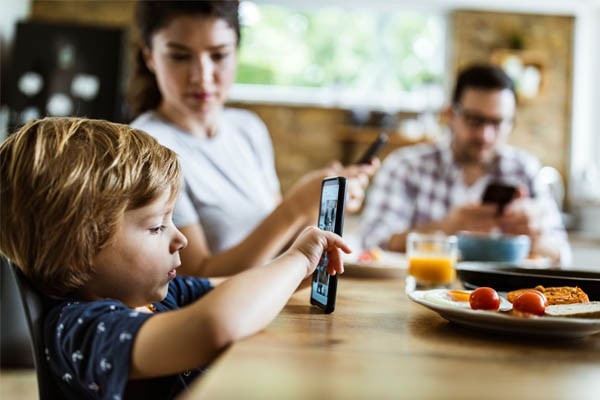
<point x="388" y="208"/>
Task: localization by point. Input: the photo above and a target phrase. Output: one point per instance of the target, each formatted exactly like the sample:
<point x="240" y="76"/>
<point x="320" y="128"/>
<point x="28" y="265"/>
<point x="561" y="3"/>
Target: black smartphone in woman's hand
<point x="373" y="149"/>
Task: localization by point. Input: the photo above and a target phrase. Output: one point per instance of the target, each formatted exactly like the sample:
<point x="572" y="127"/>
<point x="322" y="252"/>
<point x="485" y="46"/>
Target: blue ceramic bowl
<point x="493" y="247"/>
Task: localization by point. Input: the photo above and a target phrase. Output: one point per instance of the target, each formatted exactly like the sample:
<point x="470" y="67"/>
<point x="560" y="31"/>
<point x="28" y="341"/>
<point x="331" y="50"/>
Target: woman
<point x="231" y="209"/>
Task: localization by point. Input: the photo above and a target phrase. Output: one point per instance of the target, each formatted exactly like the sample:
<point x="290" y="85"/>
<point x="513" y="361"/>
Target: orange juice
<point x="432" y="269"/>
<point x="431" y="259"/>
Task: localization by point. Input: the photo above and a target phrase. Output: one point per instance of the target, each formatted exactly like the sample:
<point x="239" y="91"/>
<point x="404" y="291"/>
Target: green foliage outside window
<point x="337" y="47"/>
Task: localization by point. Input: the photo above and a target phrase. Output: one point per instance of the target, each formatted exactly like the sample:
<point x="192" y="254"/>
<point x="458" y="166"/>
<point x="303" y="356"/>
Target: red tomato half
<point x="365" y="257"/>
<point x="531" y="302"/>
<point x="542" y="295"/>
<point x="484" y="298"/>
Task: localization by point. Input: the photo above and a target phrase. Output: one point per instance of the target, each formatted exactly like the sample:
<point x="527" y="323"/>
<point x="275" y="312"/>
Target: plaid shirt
<point x="421" y="183"/>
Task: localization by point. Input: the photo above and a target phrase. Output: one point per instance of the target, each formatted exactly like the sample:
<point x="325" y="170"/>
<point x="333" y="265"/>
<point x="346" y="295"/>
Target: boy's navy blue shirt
<point x="88" y="346"/>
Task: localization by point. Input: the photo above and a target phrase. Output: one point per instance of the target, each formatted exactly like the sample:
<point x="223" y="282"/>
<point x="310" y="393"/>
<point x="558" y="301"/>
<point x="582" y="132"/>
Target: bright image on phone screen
<point x="326" y="222"/>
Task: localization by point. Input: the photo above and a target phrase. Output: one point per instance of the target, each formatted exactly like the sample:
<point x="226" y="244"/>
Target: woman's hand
<point x="357" y="182"/>
<point x="304" y="195"/>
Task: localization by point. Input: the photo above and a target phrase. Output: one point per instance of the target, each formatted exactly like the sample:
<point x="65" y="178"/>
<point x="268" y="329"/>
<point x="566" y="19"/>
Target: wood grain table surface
<point x="378" y="344"/>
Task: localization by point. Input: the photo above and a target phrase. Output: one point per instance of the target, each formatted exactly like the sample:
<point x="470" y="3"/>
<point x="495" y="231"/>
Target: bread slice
<point x="576" y="310"/>
<point x="564" y="294"/>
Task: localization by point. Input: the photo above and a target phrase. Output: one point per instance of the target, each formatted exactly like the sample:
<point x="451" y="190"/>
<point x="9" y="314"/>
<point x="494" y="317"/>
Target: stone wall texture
<point x="543" y="123"/>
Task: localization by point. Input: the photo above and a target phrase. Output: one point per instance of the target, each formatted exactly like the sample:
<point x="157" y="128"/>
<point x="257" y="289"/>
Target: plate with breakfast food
<point x="376" y="263"/>
<point x="556" y="312"/>
<point x="506" y="278"/>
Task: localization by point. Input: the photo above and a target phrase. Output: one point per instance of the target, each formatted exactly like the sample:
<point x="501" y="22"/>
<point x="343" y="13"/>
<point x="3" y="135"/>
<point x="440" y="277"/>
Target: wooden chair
<point x="33" y="303"/>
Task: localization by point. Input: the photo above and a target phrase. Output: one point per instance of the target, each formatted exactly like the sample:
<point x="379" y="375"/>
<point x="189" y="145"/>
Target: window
<point x="386" y="58"/>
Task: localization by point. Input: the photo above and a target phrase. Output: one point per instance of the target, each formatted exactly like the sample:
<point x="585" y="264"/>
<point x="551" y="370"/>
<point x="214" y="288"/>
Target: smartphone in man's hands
<point x="499" y="193"/>
<point x="331" y="218"/>
<point x="373" y="149"/>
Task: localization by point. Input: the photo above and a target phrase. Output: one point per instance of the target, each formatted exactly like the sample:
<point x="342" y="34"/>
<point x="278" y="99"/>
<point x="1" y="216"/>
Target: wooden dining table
<point x="378" y="344"/>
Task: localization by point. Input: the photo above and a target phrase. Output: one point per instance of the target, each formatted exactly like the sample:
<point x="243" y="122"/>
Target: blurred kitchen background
<point x="327" y="76"/>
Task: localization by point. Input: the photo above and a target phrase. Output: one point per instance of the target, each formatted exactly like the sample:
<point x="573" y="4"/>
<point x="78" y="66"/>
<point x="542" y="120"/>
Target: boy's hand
<point x="312" y="242"/>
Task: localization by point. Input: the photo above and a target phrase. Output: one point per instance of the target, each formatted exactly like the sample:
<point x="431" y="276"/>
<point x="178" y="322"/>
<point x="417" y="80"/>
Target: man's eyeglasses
<point x="475" y="120"/>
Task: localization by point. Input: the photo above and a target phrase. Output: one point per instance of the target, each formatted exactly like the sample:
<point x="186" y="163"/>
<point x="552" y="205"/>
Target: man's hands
<point x="471" y="217"/>
<point x="520" y="217"/>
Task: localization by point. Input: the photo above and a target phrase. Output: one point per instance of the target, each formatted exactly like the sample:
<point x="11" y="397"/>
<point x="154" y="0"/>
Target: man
<point x="438" y="187"/>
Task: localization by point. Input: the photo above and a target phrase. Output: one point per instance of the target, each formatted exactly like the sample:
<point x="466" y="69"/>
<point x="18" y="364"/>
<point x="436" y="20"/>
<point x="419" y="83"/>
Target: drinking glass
<point x="431" y="260"/>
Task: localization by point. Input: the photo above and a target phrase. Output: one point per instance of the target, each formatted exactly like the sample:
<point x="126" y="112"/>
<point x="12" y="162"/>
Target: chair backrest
<point x="33" y="303"/>
<point x="15" y="341"/>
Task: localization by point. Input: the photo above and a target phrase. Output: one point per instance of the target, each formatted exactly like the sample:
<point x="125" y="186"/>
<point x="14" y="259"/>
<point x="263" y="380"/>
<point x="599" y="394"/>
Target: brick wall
<point x="543" y="124"/>
<point x="304" y="138"/>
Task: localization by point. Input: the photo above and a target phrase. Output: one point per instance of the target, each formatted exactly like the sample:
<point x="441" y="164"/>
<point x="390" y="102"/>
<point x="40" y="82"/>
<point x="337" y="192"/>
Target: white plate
<point x="498" y="322"/>
<point x="389" y="265"/>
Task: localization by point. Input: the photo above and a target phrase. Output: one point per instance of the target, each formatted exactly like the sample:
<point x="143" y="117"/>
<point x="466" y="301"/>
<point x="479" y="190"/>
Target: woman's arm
<point x="260" y="246"/>
<point x="297" y="210"/>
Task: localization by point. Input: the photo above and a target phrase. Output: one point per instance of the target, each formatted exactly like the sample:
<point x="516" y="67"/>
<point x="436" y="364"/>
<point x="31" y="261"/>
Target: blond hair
<point x="64" y="185"/>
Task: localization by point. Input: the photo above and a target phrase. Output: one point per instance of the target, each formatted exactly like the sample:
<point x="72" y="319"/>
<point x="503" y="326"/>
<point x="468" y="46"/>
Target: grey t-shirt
<point x="230" y="181"/>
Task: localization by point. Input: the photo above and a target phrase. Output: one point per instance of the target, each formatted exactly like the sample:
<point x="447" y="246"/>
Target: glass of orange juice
<point x="431" y="260"/>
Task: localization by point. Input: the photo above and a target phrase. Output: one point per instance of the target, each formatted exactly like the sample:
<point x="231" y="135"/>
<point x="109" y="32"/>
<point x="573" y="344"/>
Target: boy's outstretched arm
<point x="175" y="341"/>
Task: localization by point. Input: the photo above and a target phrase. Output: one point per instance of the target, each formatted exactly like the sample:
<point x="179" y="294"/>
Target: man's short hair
<point x="483" y="77"/>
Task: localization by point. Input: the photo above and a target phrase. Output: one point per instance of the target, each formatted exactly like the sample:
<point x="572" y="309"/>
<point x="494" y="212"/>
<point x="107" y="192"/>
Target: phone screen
<point x="331" y="218"/>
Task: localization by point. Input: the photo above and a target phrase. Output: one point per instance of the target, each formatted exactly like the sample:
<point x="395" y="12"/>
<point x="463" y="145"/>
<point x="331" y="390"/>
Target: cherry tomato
<point x="531" y="302"/>
<point x="484" y="298"/>
<point x="365" y="257"/>
<point x="542" y="295"/>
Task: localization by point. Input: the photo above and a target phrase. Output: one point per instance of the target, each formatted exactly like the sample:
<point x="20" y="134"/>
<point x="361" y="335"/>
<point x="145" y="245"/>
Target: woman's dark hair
<point x="150" y="16"/>
<point x="482" y="76"/>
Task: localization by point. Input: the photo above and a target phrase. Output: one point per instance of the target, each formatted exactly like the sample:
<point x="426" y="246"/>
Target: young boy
<point x="86" y="212"/>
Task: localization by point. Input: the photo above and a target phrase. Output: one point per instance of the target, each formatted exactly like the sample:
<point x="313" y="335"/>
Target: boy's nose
<point x="180" y="240"/>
